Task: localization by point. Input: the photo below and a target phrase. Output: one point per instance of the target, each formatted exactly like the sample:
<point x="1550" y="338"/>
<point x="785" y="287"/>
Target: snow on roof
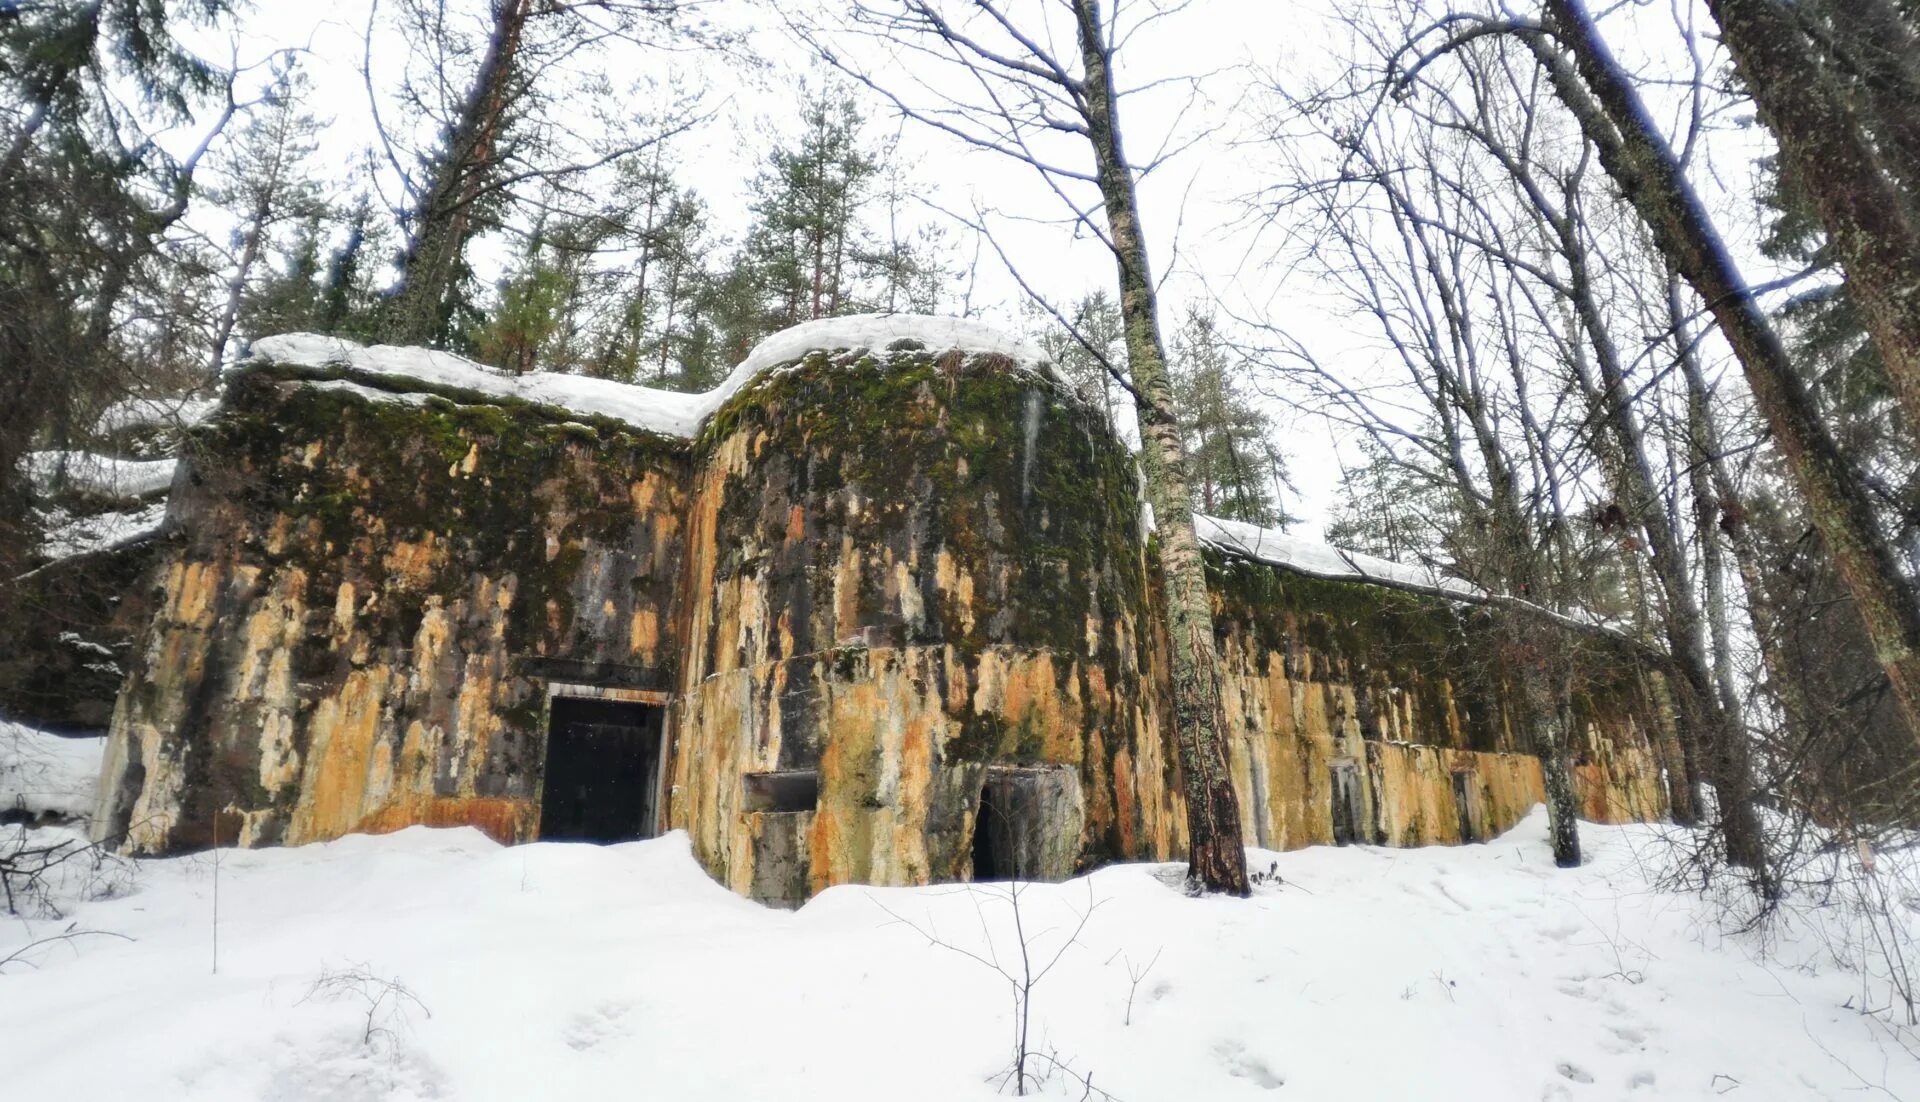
<point x="70" y="536"/>
<point x="99" y="474"/>
<point x="1276" y="548"/>
<point x="1319" y="560"/>
<point x="663" y="411"/>
<point x="134" y="413"/>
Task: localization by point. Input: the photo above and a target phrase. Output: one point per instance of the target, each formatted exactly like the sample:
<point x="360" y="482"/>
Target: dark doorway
<point x="1463" y="800"/>
<point x="1347" y="808"/>
<point x="603" y="768"/>
<point x="992" y="838"/>
<point x="1028" y="823"/>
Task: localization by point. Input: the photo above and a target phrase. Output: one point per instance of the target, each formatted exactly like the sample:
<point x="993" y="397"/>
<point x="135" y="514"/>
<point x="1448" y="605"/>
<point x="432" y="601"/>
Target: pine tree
<point x="1234" y="469"/>
<point x="88" y="199"/>
<point x="1088" y="351"/>
<point x="805" y="248"/>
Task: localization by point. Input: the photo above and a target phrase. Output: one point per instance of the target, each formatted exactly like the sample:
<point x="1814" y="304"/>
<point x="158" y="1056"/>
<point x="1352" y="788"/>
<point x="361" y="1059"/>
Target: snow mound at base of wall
<point x="436" y="965"/>
<point x="667" y="412"/>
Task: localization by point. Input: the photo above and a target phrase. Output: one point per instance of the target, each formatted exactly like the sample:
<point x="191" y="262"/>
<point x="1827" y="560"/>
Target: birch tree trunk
<point x="1713" y="706"/>
<point x="1217" y="858"/>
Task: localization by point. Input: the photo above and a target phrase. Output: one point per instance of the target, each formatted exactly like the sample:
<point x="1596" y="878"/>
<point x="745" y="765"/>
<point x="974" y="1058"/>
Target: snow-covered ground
<point x="436" y="964"/>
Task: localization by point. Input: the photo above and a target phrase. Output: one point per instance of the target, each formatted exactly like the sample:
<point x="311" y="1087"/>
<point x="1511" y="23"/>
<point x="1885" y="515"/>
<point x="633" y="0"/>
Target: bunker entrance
<point x="1028" y="824"/>
<point x="1463" y="801"/>
<point x="1347" y="813"/>
<point x="603" y="770"/>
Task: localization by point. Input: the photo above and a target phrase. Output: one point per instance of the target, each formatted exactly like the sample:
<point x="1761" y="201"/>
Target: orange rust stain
<point x="1124" y="810"/>
<point x="505" y="821"/>
<point x="643" y="634"/>
<point x="412" y="563"/>
<point x="823" y="842"/>
<point x="343" y="730"/>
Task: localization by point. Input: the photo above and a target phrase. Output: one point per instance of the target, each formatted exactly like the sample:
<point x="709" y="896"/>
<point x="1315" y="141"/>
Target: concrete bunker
<point x="878" y="612"/>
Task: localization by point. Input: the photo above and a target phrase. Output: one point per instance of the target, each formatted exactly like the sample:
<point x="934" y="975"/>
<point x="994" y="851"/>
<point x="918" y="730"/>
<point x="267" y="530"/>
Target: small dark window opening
<point x="1347" y="808"/>
<point x="602" y="770"/>
<point x="783" y="792"/>
<point x="1463" y="800"/>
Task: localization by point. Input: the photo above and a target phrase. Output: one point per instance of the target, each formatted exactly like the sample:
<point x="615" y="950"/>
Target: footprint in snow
<point x="603" y="1023"/>
<point x="1625" y="1039"/>
<point x="1574" y="1072"/>
<point x="1241" y="1065"/>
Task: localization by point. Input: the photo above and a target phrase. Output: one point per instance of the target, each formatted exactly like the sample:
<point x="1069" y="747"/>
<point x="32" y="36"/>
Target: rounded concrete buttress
<point x="906" y="566"/>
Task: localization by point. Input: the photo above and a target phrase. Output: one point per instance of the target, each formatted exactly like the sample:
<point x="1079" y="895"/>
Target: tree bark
<point x="1216" y="854"/>
<point x="1638" y="158"/>
<point x="443" y="218"/>
<point x="1714" y="707"/>
<point x="1825" y="147"/>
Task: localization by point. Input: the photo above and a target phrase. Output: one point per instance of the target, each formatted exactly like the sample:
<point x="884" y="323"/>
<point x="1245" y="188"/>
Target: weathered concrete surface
<point x="902" y="572"/>
<point x="1319" y="672"/>
<point x="353" y="634"/>
<point x="899" y="584"/>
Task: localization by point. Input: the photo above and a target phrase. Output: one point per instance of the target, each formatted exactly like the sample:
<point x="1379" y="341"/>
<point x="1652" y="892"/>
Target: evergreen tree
<point x="529" y="320"/>
<point x="88" y="199"/>
<point x="1234" y="470"/>
<point x="1088" y="351"/>
<point x="805" y="254"/>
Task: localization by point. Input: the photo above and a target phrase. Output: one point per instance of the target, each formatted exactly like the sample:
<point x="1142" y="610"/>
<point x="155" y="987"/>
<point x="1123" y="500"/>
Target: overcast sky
<point x="1203" y="242"/>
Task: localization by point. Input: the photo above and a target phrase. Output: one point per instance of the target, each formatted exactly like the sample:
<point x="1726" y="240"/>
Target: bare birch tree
<point x="1044" y="93"/>
<point x="1640" y="160"/>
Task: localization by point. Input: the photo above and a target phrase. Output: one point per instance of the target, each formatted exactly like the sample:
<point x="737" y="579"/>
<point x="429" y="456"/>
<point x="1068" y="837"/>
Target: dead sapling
<point x="1137" y="972"/>
<point x="389" y="1003"/>
<point x="1028" y="1069"/>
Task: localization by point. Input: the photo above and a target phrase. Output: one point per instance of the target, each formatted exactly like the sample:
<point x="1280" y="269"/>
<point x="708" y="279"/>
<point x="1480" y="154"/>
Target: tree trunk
<point x="1216" y="855"/>
<point x="237" y="286"/>
<point x="1826" y="149"/>
<point x="443" y="219"/>
<point x="1728" y="515"/>
<point x="1638" y="158"/>
<point x="1714" y="708"/>
<point x="1882" y="47"/>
